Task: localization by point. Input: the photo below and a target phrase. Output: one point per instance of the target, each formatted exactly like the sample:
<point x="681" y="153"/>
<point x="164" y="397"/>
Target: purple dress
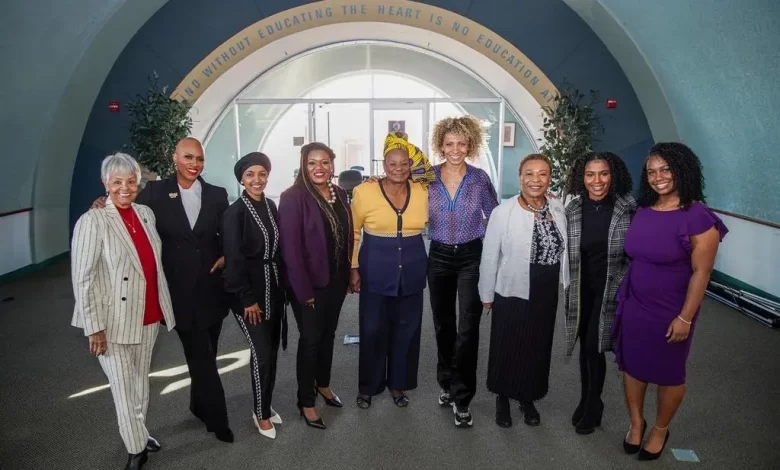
<point x="654" y="289"/>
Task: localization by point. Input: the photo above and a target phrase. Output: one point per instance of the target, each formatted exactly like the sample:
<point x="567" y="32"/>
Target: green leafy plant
<point x="157" y="123"/>
<point x="570" y="128"/>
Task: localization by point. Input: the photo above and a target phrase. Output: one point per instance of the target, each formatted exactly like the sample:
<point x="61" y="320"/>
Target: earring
<point x="106" y="192"/>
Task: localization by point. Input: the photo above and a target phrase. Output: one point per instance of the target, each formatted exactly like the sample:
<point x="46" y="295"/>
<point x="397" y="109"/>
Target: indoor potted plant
<point x="157" y="123"/>
<point x="570" y="127"/>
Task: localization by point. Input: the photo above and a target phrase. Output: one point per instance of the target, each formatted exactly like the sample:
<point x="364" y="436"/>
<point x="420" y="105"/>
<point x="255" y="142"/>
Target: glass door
<point x="345" y="128"/>
<point x="411" y="118"/>
<point x="279" y="130"/>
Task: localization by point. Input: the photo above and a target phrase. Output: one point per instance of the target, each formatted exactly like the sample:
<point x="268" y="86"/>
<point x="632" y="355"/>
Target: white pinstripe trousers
<point x="127" y="368"/>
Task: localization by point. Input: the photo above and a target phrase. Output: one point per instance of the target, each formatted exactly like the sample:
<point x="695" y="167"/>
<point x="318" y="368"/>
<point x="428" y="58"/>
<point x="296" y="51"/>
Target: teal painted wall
<point x="44" y="42"/>
<point x="718" y="63"/>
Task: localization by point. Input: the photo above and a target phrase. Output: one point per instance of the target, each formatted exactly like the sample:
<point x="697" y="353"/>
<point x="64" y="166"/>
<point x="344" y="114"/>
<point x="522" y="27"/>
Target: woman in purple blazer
<point x="315" y="225"/>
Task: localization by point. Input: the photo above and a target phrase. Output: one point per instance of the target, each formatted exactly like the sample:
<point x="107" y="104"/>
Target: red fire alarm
<point x="611" y="103"/>
<point x="113" y="106"/>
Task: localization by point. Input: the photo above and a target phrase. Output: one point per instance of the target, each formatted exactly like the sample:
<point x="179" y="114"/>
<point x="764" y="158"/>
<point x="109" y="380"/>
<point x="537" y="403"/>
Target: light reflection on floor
<point x="239" y="359"/>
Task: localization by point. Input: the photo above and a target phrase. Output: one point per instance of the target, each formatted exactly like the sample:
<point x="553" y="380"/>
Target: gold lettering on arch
<point x="405" y="12"/>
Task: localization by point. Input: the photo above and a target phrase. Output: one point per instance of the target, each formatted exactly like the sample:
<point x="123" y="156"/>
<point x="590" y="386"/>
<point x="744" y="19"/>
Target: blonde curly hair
<point x="466" y="126"/>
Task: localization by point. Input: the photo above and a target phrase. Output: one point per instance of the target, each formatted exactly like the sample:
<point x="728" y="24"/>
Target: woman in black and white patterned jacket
<point x="597" y="219"/>
<point x="253" y="276"/>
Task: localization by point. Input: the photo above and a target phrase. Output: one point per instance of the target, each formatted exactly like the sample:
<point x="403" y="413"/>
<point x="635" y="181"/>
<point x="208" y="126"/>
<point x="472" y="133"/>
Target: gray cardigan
<point x="506" y="251"/>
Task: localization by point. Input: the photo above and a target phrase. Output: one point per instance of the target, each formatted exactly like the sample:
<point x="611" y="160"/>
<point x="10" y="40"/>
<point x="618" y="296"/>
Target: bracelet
<point x="684" y="320"/>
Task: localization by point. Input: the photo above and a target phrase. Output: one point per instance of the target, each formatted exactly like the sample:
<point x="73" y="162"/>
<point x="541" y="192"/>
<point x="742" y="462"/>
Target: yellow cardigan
<point x="372" y="212"/>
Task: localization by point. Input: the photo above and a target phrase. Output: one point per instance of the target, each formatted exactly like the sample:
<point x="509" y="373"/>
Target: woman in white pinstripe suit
<point x="121" y="297"/>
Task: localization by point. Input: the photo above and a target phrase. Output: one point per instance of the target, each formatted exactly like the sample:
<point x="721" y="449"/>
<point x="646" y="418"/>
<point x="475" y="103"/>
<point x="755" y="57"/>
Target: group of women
<point x="634" y="278"/>
<point x="634" y="275"/>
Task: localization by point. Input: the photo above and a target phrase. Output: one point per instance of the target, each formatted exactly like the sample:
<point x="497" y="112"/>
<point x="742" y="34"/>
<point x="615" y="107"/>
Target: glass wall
<point x="350" y="96"/>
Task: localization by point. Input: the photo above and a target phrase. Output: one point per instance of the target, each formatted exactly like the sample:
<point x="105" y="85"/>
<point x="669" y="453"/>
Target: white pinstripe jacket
<point x="108" y="281"/>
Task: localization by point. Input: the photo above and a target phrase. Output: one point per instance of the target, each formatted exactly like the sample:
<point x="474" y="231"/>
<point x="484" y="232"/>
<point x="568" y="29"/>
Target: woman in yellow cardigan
<point x="389" y="271"/>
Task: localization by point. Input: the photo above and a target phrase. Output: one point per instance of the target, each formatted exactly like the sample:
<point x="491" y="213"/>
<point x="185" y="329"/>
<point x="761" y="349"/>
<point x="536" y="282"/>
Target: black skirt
<point x="521" y="338"/>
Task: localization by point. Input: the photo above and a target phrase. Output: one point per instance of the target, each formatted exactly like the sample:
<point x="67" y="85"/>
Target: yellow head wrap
<point x="422" y="171"/>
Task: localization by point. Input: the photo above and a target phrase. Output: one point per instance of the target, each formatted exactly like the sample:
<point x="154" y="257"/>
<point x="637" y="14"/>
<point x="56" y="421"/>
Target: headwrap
<point x="251" y="159"/>
<point x="422" y="171"/>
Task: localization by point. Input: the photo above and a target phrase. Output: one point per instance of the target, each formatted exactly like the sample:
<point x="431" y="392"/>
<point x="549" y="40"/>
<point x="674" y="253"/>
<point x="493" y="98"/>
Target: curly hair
<point x="466" y="126"/>
<point x="686" y="171"/>
<point x="621" y="182"/>
<point x="303" y="180"/>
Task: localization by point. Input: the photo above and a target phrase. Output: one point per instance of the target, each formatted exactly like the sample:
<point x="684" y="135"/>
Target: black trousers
<point x="453" y="272"/>
<point x="593" y="364"/>
<point x="317" y="326"/>
<point x="263" y="339"/>
<point x="207" y="397"/>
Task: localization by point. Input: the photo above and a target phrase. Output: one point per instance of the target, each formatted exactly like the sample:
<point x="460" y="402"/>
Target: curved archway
<point x="165" y="43"/>
<point x="402" y="12"/>
<point x="271" y="96"/>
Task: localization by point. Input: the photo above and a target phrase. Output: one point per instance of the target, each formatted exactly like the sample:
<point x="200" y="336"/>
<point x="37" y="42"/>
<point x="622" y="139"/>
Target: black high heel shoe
<point x="631" y="449"/>
<point x="334" y="402"/>
<point x="645" y="455"/>
<point x="318" y="423"/>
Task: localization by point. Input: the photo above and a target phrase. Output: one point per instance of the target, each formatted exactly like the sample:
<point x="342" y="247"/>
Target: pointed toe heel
<point x="317" y="423"/>
<point x="631" y="449"/>
<point x="646" y="456"/>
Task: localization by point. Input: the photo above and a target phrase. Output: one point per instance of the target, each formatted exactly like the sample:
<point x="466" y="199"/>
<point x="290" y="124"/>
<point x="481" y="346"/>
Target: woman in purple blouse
<point x="460" y="201"/>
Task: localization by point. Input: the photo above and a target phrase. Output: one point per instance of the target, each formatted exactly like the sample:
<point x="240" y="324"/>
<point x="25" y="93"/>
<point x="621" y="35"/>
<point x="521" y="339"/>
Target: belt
<point x="462" y="246"/>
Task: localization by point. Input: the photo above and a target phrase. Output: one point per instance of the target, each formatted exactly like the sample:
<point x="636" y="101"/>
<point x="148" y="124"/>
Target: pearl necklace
<point x="332" y="199"/>
<point x="533" y="209"/>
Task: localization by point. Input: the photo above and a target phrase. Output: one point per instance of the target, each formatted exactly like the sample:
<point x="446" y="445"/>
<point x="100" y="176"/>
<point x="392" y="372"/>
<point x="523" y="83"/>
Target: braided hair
<point x="686" y="170"/>
<point x="621" y="181"/>
<point x="303" y="181"/>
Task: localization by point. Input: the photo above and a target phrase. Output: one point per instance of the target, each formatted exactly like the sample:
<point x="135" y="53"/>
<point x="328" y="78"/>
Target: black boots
<point x="593" y="371"/>
<point x="503" y="415"/>
<point x="531" y="415"/>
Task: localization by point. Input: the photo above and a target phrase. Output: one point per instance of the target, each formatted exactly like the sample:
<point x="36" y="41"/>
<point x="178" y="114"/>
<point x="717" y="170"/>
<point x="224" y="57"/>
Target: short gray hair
<point x="119" y="163"/>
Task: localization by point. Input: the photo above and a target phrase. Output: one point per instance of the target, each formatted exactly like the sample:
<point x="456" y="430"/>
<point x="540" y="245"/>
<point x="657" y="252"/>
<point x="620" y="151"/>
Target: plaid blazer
<point x="617" y="264"/>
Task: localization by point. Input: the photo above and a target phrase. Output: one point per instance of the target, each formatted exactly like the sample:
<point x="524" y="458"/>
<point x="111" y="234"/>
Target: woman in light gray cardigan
<point x="523" y="261"/>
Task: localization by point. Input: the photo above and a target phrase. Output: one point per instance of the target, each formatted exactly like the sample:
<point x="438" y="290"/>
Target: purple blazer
<point x="303" y="242"/>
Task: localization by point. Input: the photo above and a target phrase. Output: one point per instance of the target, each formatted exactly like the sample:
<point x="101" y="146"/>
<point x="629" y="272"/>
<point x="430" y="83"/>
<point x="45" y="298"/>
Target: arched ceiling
<point x="714" y="91"/>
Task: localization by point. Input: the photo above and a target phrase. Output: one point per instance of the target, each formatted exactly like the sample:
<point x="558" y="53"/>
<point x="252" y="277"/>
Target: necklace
<point x="332" y="199"/>
<point x="455" y="176"/>
<point x="130" y="225"/>
<point x="533" y="209"/>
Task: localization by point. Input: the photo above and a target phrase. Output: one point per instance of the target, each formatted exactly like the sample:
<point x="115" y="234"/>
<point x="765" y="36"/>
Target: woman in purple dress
<point x="672" y="242"/>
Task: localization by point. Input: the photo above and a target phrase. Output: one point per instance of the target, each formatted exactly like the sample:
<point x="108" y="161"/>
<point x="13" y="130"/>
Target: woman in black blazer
<point x="253" y="275"/>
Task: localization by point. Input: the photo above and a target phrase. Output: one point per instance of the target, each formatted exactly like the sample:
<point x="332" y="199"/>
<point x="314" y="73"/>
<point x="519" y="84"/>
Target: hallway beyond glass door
<point x="411" y="118"/>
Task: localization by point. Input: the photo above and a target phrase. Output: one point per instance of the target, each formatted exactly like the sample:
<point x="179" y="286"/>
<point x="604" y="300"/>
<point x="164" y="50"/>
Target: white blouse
<point x="506" y="252"/>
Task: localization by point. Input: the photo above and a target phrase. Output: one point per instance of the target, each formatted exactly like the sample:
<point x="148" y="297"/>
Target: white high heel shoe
<point x="269" y="433"/>
<point x="275" y="418"/>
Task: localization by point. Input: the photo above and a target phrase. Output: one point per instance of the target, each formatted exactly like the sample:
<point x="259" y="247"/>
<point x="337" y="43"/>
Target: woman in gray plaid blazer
<point x="597" y="220"/>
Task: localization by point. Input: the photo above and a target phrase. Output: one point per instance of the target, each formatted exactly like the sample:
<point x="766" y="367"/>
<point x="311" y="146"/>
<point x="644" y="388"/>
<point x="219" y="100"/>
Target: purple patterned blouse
<point x="458" y="220"/>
